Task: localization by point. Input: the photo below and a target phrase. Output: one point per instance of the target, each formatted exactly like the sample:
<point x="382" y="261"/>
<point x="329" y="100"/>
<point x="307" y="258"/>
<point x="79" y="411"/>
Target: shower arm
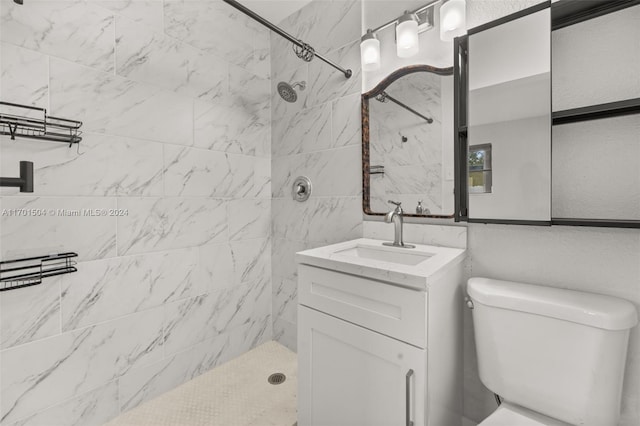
<point x="305" y="47"/>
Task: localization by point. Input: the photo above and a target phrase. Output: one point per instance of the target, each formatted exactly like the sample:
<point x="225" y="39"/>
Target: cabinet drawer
<point x="388" y="309"/>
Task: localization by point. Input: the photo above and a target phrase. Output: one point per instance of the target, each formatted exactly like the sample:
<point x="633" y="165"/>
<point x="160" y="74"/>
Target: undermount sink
<point x="398" y="255"/>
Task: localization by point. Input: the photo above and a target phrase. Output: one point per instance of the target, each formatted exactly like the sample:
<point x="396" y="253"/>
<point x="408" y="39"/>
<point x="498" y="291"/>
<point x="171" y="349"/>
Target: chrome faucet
<point x="395" y="216"/>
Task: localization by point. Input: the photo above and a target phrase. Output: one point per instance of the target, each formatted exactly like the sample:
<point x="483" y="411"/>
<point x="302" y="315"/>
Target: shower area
<point x="166" y="207"/>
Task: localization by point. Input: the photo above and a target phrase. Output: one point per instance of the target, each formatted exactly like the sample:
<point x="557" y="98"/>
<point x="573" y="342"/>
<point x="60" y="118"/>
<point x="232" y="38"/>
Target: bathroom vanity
<point x="380" y="335"/>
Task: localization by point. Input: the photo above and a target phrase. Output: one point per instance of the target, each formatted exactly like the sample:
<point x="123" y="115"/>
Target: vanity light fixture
<point x="370" y="51"/>
<point x="409" y="26"/>
<point x="407" y="35"/>
<point x="452" y="19"/>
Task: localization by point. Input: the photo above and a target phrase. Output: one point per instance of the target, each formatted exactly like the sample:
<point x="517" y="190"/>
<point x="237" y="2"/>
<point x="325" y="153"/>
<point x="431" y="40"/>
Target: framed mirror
<point x="509" y="119"/>
<point x="407" y="143"/>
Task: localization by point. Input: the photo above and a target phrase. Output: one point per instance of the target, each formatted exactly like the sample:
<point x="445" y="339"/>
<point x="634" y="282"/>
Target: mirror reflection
<point x="410" y="142"/>
<point x="509" y="137"/>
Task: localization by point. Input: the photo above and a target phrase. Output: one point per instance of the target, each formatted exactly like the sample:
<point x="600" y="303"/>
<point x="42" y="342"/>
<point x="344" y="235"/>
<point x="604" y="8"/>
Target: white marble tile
<point x="74" y="30"/>
<point x="110" y="104"/>
<point x="102" y="165"/>
<point x="143" y="384"/>
<point x="92" y="408"/>
<point x="217" y="125"/>
<point x="195" y="320"/>
<point x="346" y="122"/>
<point x="327" y="83"/>
<point x="283" y="59"/>
<point x="323" y="220"/>
<point x="54" y="225"/>
<point x="259" y="62"/>
<point x="252" y="260"/>
<point x="147" y="12"/>
<point x="47" y="372"/>
<point x="95" y="293"/>
<point x="225" y="265"/>
<point x="262" y="178"/>
<point x="243" y="182"/>
<point x="285" y="300"/>
<point x="190" y="321"/>
<point x="326" y="25"/>
<point x="151" y="57"/>
<point x="217" y="266"/>
<point x="196" y="172"/>
<point x="334" y="172"/>
<point x="249" y="218"/>
<point x="248" y="85"/>
<point x="304" y="131"/>
<point x="234" y="125"/>
<point x="283" y="255"/>
<point x="258" y="331"/>
<point x="205" y="24"/>
<point x="255" y="134"/>
<point x="29" y="314"/>
<point x="24" y="76"/>
<point x="286" y="334"/>
<point x="155" y="224"/>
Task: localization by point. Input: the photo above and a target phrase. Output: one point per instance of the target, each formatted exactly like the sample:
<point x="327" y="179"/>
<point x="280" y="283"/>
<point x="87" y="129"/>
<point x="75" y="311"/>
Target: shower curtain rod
<point x="382" y="97"/>
<point x="304" y="51"/>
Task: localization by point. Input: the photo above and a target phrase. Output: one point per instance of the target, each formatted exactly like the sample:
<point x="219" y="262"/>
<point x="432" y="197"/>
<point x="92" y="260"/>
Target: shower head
<point x="288" y="92"/>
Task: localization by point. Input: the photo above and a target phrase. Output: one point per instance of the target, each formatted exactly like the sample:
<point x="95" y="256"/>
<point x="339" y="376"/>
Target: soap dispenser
<point x="419" y="208"/>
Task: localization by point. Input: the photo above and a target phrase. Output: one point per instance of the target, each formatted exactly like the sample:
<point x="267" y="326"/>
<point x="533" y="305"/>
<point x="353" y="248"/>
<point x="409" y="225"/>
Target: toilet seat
<point x="509" y="414"/>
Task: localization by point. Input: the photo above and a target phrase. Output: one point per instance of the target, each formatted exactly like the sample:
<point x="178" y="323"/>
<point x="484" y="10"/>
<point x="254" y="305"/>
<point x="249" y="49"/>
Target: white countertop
<point x="417" y="277"/>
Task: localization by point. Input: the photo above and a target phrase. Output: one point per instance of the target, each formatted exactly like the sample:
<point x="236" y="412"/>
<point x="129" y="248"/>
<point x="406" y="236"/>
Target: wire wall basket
<point x="30" y="271"/>
<point x="32" y="122"/>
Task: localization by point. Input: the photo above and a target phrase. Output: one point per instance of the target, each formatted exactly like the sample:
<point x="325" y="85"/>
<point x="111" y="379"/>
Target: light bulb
<point x="452" y="19"/>
<point x="407" y="36"/>
<point x="370" y="52"/>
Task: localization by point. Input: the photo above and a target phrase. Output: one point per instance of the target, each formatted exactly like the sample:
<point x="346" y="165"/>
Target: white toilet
<point x="555" y="356"/>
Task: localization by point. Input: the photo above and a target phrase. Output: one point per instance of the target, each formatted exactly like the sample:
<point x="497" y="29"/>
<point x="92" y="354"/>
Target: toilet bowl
<point x="555" y="356"/>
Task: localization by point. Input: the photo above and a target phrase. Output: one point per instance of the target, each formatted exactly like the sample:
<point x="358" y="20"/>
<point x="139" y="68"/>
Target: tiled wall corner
<point x="317" y="136"/>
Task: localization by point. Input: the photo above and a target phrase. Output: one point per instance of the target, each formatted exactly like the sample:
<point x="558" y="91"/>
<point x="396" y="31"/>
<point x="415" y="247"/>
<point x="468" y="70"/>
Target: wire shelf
<point x="30" y="271"/>
<point x="32" y="122"/>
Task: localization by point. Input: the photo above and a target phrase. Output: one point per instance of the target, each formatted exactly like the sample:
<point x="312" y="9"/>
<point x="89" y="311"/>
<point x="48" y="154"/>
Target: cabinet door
<point x="351" y="376"/>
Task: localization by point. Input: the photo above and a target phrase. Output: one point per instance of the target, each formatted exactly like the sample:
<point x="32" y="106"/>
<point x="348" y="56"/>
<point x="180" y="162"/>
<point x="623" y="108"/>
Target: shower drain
<point x="277" y="378"/>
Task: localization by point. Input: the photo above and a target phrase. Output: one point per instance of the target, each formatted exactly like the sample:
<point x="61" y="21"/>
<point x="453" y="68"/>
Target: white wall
<point x="174" y="97"/>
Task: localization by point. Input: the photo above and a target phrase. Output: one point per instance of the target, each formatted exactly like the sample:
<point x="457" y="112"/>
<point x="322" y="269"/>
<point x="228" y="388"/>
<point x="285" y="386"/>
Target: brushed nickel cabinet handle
<point x="408" y="396"/>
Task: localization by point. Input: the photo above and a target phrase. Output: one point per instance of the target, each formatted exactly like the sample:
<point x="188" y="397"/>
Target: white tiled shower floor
<point x="233" y="394"/>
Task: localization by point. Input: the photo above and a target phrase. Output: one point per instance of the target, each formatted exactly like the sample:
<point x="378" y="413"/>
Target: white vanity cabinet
<point x="379" y="343"/>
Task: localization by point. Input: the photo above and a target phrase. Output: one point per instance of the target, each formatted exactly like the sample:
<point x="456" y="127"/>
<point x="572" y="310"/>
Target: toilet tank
<point x="558" y="352"/>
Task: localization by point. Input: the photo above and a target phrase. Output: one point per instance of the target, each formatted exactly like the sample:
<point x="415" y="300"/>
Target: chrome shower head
<point x="287" y="91"/>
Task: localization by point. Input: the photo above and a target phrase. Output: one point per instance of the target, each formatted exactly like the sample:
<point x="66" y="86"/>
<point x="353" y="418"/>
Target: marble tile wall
<point x="318" y="136"/>
<point x="176" y="104"/>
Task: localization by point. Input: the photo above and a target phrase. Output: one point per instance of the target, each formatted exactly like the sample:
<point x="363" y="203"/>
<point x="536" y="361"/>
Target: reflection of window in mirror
<point x="480" y="169"/>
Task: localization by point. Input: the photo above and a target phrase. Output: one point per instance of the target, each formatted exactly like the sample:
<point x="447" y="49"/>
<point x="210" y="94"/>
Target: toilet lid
<point x="512" y="415"/>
